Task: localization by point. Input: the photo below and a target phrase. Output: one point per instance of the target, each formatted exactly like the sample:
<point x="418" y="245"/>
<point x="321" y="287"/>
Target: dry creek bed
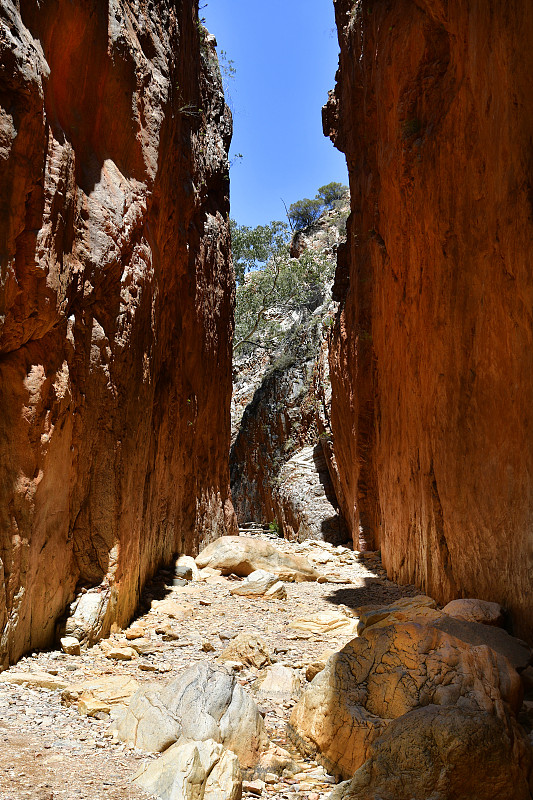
<point x="50" y="752"/>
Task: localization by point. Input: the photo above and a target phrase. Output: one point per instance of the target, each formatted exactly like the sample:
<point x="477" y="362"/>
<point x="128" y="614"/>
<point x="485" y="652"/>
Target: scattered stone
<point x="168" y="632"/>
<point x="42" y="680"/>
<point x="201" y="770"/>
<point x="276" y="592"/>
<point x="144" y="647"/>
<point x="207" y="647"/>
<point x="117" y="652"/>
<point x="253" y="787"/>
<point x="472" y="610"/>
<point x="172" y="608"/>
<point x="70" y="646"/>
<point x="135" y="632"/>
<point x="256" y="584"/>
<point x="326" y="622"/>
<point x="249" y="649"/>
<point x="242" y="555"/>
<point x="89" y="706"/>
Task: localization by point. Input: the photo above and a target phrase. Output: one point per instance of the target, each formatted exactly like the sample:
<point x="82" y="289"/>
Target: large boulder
<point x="386" y="673"/>
<point x="423" y="609"/>
<point x="193" y="771"/>
<point x="203" y="702"/>
<point x="437" y="753"/>
<point x="473" y="610"/>
<point x="242" y="555"/>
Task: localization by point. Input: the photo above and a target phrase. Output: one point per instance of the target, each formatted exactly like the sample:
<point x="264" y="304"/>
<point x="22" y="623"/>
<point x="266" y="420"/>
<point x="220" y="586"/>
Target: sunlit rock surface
<point x="432" y="363"/>
<point x="115" y="306"/>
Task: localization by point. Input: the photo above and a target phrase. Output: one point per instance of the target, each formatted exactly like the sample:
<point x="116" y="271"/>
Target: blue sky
<point x="285" y="53"/>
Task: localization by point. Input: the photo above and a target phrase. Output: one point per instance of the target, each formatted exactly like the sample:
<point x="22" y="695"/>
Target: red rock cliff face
<point x="433" y="360"/>
<point x="115" y="304"/>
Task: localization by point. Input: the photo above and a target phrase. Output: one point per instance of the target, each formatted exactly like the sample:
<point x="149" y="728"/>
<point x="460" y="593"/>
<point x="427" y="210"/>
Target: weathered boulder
<point x="187" y="565"/>
<point x="242" y="555"/>
<point x="472" y="610"/>
<point x="431" y="363"/>
<point x="249" y="649"/>
<point x="443" y="754"/>
<point x="203" y="702"/>
<point x="407" y="609"/>
<point x="423" y="609"/>
<point x="278" y="683"/>
<point x="256" y="584"/>
<point x="384" y="674"/>
<point x="193" y="771"/>
<point x="115" y="306"/>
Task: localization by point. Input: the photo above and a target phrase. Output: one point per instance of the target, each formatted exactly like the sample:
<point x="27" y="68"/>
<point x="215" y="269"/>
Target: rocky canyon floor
<point x="51" y="751"/>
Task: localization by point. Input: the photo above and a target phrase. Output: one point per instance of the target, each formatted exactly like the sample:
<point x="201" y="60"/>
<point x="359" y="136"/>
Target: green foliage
<point x="332" y="194"/>
<point x="275" y="285"/>
<point x="273" y="527"/>
<point x="271" y="284"/>
<point x="303" y="213"/>
<point x="227" y="65"/>
<point x="254" y="247"/>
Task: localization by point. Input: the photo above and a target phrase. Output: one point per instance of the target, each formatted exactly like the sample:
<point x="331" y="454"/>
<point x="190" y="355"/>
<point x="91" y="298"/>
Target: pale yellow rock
<point x="110" y="689"/>
<point x="188" y="561"/>
<point x="276" y="592"/>
<point x="208" y="572"/>
<point x="117" y="652"/>
<point x="39" y="679"/>
<point x="326" y="622"/>
<point x="224" y="782"/>
<point x="256" y="584"/>
<point x="276" y="760"/>
<point x="247" y="648"/>
<point x="70" y="645"/>
<point x="174" y="609"/>
<point x="135" y="632"/>
<point x="89" y="706"/>
<point x="242" y="555"/>
<point x="278" y="683"/>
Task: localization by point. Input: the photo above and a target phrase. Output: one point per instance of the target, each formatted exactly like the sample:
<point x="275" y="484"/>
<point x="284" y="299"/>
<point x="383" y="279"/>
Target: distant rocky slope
<point x="115" y="306"/>
<point x="431" y="359"/>
<point x="280" y="411"/>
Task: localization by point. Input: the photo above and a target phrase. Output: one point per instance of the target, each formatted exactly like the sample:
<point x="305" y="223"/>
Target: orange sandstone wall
<point x="432" y="356"/>
<point x="115" y="304"/>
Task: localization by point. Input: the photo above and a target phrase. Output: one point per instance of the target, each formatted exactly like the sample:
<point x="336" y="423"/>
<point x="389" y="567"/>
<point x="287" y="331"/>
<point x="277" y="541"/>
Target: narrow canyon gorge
<point x="301" y="569"/>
